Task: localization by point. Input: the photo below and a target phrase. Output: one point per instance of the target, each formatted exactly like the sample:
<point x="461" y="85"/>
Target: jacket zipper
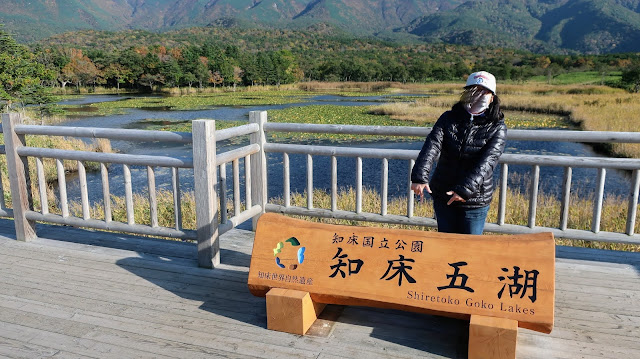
<point x="466" y="136"/>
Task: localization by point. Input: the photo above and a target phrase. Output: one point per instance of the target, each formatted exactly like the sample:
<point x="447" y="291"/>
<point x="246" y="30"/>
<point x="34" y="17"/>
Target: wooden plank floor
<point x="76" y="294"/>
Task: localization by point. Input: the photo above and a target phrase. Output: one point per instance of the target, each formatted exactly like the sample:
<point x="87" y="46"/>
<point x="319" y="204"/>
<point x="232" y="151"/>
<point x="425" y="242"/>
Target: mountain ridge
<point x="585" y="26"/>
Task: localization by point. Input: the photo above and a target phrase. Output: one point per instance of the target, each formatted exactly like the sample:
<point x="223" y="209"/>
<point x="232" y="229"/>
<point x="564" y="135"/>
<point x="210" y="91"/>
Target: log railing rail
<point x="209" y="191"/>
<point x="535" y="161"/>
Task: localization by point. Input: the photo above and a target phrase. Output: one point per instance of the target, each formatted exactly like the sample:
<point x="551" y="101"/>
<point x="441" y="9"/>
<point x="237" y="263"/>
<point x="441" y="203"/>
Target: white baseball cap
<point x="484" y="79"/>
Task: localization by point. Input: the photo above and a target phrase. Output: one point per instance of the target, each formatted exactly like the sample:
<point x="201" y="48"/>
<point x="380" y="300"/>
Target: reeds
<point x="614" y="213"/>
<point x="591" y="108"/>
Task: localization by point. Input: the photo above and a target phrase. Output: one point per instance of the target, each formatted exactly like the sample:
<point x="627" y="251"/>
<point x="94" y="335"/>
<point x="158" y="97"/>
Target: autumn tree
<point x="237" y="76"/>
<point x="216" y="78"/>
<point x="80" y="69"/>
<point x="543" y="62"/>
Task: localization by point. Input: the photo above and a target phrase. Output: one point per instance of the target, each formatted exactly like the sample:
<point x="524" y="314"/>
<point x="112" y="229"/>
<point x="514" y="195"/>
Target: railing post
<point x="18" y="168"/>
<point x="206" y="187"/>
<point x="258" y="164"/>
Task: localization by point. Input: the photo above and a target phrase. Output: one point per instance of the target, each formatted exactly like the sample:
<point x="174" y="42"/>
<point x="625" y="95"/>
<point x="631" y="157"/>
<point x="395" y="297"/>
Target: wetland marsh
<point x="548" y="108"/>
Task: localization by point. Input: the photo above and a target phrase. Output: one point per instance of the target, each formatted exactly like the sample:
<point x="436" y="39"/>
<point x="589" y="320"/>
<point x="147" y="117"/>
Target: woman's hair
<point x="493" y="112"/>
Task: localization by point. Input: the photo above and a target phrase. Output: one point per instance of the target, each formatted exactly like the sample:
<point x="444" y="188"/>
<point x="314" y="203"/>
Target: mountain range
<point x="584" y="26"/>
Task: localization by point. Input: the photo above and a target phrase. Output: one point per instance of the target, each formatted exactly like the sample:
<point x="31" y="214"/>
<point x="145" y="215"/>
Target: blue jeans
<point x="453" y="219"/>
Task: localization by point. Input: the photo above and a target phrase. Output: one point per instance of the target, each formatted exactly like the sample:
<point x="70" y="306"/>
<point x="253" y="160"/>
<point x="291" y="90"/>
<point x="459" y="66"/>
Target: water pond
<point x="617" y="184"/>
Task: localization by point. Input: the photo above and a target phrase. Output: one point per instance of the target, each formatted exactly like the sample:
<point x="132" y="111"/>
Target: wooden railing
<point x="210" y="221"/>
<point x="535" y="161"/>
<point x="210" y="179"/>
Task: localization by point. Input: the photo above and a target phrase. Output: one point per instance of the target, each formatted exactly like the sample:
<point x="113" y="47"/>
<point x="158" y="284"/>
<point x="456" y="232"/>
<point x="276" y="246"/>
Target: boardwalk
<point x="74" y="293"/>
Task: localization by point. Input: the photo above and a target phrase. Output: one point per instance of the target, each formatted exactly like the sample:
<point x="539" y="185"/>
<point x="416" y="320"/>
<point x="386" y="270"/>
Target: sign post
<point x="496" y="282"/>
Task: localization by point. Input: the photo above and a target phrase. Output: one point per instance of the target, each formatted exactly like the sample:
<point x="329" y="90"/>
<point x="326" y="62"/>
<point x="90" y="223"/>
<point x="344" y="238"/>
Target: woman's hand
<point x="418" y="188"/>
<point x="454" y="197"/>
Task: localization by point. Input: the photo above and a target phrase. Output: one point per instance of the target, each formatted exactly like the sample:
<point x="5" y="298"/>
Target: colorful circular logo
<point x="293" y="241"/>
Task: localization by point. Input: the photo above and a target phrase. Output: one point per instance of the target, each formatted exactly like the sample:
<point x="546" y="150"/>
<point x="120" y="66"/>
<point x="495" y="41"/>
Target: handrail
<point x="112" y="226"/>
<point x="130" y="134"/>
<point x="410" y="131"/>
<point x="108" y="133"/>
<point x="241" y="152"/>
<point x="341" y="151"/>
<point x="203" y="140"/>
<point x="141" y="160"/>
<point x="542" y="160"/>
<point x="232" y="132"/>
<point x="535" y="161"/>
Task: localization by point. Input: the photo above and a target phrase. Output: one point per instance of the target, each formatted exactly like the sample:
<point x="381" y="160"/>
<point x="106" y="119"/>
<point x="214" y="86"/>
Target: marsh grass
<point x="614" y="213"/>
<point x="141" y="208"/>
<point x="49" y="164"/>
<point x="595" y="109"/>
<point x="583" y="77"/>
<point x="331" y="114"/>
<point x="421" y="114"/>
<point x="90" y="90"/>
<point x="588" y="107"/>
<point x="198" y="101"/>
<point x="347" y="87"/>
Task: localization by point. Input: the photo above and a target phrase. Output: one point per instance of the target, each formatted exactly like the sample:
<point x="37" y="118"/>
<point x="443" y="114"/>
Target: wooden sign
<point x="510" y="277"/>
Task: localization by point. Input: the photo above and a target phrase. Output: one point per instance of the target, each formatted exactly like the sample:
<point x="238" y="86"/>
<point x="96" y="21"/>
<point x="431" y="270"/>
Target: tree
<point x="552" y="71"/>
<point x="117" y="72"/>
<point x="631" y="77"/>
<point x="441" y="72"/>
<point x="80" y="69"/>
<point x="202" y="71"/>
<point x="284" y="67"/>
<point x="189" y="78"/>
<point x="53" y="59"/>
<point x="226" y="68"/>
<point x="21" y="77"/>
<point x="151" y="80"/>
<point x="216" y="78"/>
<point x="393" y="70"/>
<point x="265" y="72"/>
<point x="418" y="69"/>
<point x="172" y="72"/>
<point x="131" y="59"/>
<point x="543" y="62"/>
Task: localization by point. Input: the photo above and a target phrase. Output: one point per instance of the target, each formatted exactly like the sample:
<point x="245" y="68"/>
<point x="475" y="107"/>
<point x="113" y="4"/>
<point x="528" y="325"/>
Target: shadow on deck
<point x="78" y="292"/>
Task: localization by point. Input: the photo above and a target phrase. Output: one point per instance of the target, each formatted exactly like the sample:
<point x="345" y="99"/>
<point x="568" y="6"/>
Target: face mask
<point x="479" y="104"/>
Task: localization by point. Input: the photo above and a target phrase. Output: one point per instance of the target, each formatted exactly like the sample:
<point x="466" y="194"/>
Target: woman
<point x="466" y="142"/>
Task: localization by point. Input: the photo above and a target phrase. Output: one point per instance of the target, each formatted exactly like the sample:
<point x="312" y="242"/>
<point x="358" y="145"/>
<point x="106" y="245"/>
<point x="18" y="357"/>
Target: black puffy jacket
<point x="468" y="152"/>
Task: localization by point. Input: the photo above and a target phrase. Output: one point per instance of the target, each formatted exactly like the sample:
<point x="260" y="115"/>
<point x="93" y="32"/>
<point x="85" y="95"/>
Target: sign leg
<point x="492" y="338"/>
<point x="291" y="311"/>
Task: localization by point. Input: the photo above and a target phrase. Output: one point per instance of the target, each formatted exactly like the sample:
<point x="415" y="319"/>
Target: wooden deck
<point x="75" y="293"/>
